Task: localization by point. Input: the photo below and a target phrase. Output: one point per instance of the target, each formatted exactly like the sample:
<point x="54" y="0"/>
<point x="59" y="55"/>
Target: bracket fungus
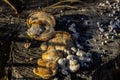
<point x="46" y="68"/>
<point x="40" y="26"/>
<point x="60" y="42"/>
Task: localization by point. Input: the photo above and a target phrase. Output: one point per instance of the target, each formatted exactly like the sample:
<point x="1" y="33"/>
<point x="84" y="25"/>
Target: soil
<point x="18" y="61"/>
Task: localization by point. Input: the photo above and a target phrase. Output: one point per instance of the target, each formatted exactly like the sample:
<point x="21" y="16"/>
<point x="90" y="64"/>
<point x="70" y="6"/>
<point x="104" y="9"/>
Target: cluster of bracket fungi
<point x="59" y="49"/>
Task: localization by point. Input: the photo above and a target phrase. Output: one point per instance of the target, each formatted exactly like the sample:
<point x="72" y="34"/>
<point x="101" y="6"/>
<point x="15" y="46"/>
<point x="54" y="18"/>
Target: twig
<point x="63" y="1"/>
<point x="64" y="6"/>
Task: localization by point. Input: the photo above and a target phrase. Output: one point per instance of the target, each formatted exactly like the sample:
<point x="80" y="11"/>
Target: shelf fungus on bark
<point x="60" y="42"/>
<point x="48" y="66"/>
<point x="51" y="55"/>
<point x="40" y="26"/>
